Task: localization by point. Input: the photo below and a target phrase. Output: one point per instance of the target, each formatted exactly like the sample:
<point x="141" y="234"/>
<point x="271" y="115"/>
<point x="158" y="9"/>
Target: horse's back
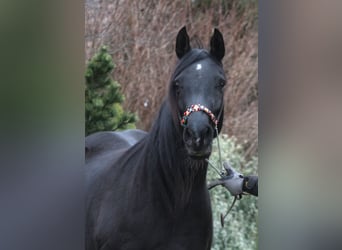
<point x="102" y="142"/>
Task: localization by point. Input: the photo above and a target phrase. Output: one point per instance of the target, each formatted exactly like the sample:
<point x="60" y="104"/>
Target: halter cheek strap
<point x="196" y="108"/>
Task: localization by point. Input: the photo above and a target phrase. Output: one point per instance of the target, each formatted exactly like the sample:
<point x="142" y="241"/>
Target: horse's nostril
<point x="207" y="132"/>
<point x="187" y="133"/>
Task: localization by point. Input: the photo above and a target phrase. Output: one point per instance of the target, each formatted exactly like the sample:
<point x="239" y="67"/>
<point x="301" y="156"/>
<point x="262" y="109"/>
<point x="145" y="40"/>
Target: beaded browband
<point x="196" y="108"/>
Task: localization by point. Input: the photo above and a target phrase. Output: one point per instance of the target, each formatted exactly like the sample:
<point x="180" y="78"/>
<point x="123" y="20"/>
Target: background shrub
<point x="240" y="227"/>
<point x="103" y="98"/>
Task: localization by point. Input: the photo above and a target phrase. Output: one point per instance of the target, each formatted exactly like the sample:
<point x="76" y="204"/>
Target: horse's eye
<point x="177" y="88"/>
<point x="222" y="83"/>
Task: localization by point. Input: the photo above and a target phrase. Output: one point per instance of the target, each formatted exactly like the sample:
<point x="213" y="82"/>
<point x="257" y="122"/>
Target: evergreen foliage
<point x="103" y="98"/>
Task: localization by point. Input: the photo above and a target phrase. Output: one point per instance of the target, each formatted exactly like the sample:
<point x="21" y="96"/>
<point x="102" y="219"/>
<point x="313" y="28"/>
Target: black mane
<point x="163" y="159"/>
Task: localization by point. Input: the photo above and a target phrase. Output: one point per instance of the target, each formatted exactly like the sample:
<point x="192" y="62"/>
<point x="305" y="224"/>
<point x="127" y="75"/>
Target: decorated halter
<point x="196" y="108"/>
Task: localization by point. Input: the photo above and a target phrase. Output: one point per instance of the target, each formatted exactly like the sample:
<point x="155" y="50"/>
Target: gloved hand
<point x="236" y="183"/>
<point x="233" y="181"/>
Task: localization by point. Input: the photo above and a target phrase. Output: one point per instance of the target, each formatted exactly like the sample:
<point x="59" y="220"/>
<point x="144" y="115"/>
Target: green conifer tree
<point x="103" y="98"/>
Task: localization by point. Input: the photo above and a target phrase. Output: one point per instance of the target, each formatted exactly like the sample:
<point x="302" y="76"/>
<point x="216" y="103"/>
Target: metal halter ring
<point x="196" y="108"/>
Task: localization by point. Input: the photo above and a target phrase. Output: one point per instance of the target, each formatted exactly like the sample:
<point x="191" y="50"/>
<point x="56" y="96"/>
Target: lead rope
<point x="236" y="197"/>
<point x="223" y="170"/>
<point x="222" y="174"/>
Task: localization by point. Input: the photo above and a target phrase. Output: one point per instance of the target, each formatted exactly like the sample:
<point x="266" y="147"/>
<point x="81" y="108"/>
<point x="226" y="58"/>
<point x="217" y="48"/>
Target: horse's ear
<point x="182" y="43"/>
<point x="217" y="45"/>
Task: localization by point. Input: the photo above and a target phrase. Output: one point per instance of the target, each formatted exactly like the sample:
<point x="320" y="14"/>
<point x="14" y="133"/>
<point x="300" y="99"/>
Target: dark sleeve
<point x="250" y="185"/>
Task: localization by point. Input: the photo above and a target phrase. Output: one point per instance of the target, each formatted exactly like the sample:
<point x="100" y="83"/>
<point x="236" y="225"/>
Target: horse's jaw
<point x="196" y="163"/>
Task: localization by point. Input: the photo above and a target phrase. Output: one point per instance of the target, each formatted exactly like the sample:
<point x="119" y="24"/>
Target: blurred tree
<point x="103" y="98"/>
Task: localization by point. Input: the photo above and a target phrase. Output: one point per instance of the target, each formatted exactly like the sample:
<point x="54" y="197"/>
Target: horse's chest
<point x="146" y="224"/>
<point x="185" y="234"/>
<point x="192" y="233"/>
<point x="188" y="229"/>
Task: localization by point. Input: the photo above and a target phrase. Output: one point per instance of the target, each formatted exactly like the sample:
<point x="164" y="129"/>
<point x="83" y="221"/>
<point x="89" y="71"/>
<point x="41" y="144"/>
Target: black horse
<point x="149" y="190"/>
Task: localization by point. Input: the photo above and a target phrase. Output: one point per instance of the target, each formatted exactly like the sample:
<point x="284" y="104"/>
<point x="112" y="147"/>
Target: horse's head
<point x="196" y="93"/>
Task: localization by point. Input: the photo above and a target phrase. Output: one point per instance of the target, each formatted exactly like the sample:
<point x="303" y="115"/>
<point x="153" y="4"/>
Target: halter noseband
<point x="196" y="108"/>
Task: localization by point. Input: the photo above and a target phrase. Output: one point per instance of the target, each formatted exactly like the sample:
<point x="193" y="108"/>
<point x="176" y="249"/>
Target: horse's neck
<point x="168" y="164"/>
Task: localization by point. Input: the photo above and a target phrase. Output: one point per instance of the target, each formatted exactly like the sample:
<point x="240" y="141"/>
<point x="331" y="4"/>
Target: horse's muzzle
<point x="198" y="135"/>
